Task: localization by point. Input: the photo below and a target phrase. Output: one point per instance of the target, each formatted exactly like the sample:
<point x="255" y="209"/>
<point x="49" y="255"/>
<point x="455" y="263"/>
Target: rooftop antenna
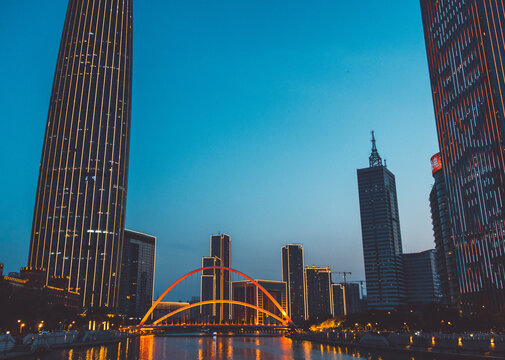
<point x="374" y="159"/>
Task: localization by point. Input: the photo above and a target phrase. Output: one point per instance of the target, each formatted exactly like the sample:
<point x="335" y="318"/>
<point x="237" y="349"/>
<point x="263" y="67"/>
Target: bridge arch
<point x="277" y="305"/>
<point x="233" y="302"/>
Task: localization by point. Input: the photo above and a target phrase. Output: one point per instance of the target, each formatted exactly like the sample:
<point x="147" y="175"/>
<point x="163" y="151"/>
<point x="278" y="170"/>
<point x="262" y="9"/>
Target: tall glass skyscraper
<point x="220" y="247"/>
<point x="380" y="230"/>
<point x="444" y="245"/>
<point x="465" y="48"/>
<point x="292" y="274"/>
<point x="80" y="202"/>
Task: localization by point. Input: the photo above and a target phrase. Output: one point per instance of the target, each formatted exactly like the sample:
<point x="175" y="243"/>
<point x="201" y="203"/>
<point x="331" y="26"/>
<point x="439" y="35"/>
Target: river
<point x="219" y="348"/>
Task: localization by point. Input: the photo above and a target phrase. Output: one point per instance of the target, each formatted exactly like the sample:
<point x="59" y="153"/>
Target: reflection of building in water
<point x="165" y="307"/>
<point x="146" y="348"/>
<point x="246" y="291"/>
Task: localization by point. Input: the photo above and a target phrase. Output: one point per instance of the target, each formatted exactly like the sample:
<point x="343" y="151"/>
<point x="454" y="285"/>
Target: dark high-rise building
<point x="208" y="287"/>
<point x="444" y="246"/>
<point x="292" y="275"/>
<point x="380" y="229"/>
<point x="246" y="291"/>
<point x="464" y="44"/>
<point x="80" y="201"/>
<point x="346" y="299"/>
<point x="137" y="274"/>
<point x="319" y="293"/>
<point x="220" y="247"/>
<point x="421" y="278"/>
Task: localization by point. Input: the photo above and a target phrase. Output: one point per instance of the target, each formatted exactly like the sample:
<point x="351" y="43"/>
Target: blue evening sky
<point x="249" y="117"/>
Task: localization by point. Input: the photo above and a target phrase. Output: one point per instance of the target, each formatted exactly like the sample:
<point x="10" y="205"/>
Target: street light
<point x="21" y="326"/>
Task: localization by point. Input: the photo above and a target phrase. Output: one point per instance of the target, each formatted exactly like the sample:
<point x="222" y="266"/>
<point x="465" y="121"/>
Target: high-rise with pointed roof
<point x="80" y="203"/>
<point x="380" y="228"/>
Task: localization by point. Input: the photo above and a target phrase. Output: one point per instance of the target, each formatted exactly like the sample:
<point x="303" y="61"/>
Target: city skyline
<point x="325" y="225"/>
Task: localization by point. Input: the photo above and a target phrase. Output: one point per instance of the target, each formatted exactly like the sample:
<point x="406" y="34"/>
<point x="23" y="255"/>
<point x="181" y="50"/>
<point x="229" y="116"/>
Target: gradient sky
<point x="249" y="117"/>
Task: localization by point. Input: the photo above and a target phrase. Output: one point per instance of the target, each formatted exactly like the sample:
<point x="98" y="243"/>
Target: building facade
<point x="208" y="288"/>
<point x="220" y="247"/>
<point x="137" y="274"/>
<point x="292" y="275"/>
<point x="319" y="293"/>
<point x="80" y="200"/>
<point x="445" y="256"/>
<point x="380" y="229"/>
<point x="346" y="299"/>
<point x="421" y="278"/>
<point x="246" y="291"/>
<point x="464" y="45"/>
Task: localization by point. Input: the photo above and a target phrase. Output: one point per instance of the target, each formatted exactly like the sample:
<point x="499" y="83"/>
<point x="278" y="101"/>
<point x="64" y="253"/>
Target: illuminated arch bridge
<point x="284" y="319"/>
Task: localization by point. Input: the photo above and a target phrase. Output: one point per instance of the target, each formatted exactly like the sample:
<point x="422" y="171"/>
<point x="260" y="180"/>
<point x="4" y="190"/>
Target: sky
<point x="248" y="117"/>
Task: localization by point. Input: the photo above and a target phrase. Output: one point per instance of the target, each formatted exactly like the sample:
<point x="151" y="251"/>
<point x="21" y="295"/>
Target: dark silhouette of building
<point x="220" y="247"/>
<point x="80" y="201"/>
<point x="421" y="278"/>
<point x="464" y="44"/>
<point x="444" y="246"/>
<point x="292" y="275"/>
<point x="319" y="293"/>
<point x="208" y="288"/>
<point x="137" y="274"/>
<point x="246" y="291"/>
<point x="380" y="228"/>
<point x="346" y="299"/>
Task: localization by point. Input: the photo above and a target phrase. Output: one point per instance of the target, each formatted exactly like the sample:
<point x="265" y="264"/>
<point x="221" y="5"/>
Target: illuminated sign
<point x="436" y="163"/>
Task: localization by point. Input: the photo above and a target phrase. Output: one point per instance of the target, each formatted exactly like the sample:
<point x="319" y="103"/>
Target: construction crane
<point x="345" y="275"/>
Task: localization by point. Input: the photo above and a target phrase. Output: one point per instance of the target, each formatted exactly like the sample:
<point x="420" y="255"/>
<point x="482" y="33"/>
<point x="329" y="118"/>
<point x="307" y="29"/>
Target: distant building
<point x="246" y="291"/>
<point x="380" y="228"/>
<point x="1" y="269"/>
<point x="319" y="293"/>
<point x="445" y="255"/>
<point x="464" y="44"/>
<point x="137" y="274"/>
<point x="421" y="278"/>
<point x="346" y="299"/>
<point x="208" y="287"/>
<point x="220" y="247"/>
<point x="31" y="283"/>
<point x="292" y="275"/>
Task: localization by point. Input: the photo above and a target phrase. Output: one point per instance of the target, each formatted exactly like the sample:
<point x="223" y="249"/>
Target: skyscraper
<point x="292" y="275"/>
<point x="346" y="299"/>
<point x="319" y="293"/>
<point x="421" y="278"/>
<point x="444" y="246"/>
<point x="464" y="44"/>
<point x="380" y="229"/>
<point x="220" y="247"/>
<point x="208" y="287"/>
<point x="137" y="274"/>
<point x="80" y="201"/>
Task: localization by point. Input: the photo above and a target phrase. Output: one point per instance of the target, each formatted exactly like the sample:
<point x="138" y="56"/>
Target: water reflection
<point x="219" y="348"/>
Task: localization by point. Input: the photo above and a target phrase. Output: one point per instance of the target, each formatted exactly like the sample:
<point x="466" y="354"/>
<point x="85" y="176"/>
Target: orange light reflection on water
<point x="146" y="347"/>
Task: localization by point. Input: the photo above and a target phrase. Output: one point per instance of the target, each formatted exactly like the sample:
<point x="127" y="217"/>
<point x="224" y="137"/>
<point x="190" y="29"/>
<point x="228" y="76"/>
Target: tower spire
<point x="374" y="159"/>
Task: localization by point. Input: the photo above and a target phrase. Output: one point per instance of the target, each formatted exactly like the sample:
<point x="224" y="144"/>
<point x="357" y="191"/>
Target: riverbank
<point x="31" y="344"/>
<point x="451" y="346"/>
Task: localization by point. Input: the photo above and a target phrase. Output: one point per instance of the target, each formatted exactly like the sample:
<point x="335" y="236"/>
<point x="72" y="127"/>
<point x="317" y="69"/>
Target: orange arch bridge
<point x="286" y="318"/>
<point x="282" y="321"/>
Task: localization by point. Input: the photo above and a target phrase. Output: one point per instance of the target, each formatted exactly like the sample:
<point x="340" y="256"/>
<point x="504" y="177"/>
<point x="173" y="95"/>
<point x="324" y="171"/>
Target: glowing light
<point x="233" y="302"/>
<point x="151" y="309"/>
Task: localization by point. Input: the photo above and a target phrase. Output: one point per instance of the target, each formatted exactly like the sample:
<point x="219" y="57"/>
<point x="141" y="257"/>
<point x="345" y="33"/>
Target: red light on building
<point x="436" y="163"/>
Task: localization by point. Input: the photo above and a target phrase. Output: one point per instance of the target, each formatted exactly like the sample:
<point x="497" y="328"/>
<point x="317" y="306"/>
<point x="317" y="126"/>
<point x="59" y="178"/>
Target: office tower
<point x="421" y="278"/>
<point x="346" y="299"/>
<point x="464" y="44"/>
<point x="208" y="287"/>
<point x="1" y="269"/>
<point x="246" y="291"/>
<point x="380" y="229"/>
<point x="292" y="275"/>
<point x="80" y="203"/>
<point x="220" y="248"/>
<point x="319" y="293"/>
<point x="136" y="288"/>
<point x="445" y="257"/>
